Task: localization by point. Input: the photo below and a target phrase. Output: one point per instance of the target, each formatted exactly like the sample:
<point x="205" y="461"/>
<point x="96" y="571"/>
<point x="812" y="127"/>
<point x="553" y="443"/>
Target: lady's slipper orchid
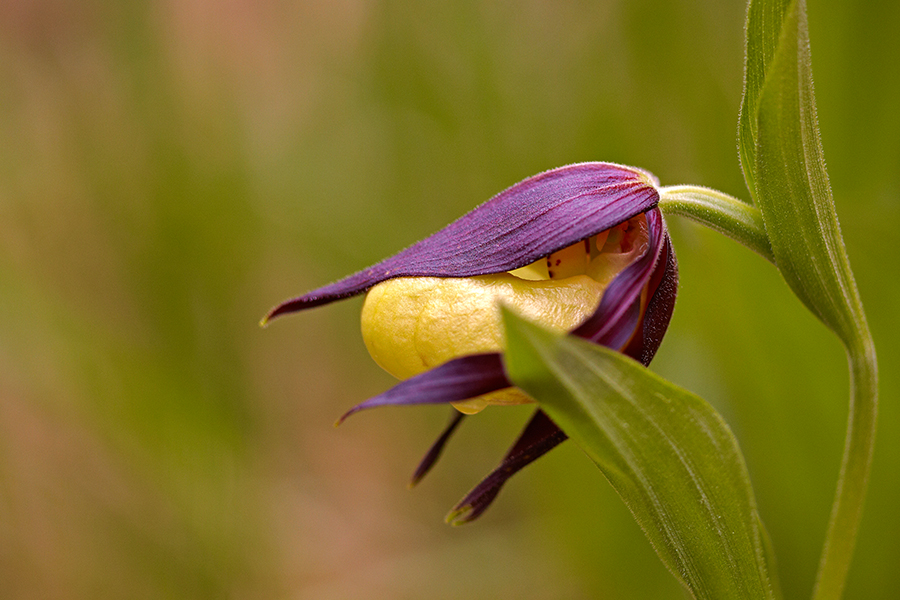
<point x="581" y="248"/>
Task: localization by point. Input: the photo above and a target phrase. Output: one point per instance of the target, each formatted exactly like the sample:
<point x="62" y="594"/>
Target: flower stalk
<point x="727" y="215"/>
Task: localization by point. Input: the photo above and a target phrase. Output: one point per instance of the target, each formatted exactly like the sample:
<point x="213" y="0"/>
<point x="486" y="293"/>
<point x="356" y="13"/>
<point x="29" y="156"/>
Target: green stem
<point x="856" y="464"/>
<point x="726" y="214"/>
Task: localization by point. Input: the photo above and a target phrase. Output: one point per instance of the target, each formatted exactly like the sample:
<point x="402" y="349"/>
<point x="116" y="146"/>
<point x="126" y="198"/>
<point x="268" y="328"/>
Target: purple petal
<point x="522" y="224"/>
<point x="616" y="319"/>
<point x="539" y="437"/>
<point x="437" y="448"/>
<point x="459" y="379"/>
<point x="662" y="289"/>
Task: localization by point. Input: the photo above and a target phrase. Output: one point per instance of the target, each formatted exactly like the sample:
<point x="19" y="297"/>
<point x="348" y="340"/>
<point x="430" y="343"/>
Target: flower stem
<point x="726" y="214"/>
<point x="855" y="467"/>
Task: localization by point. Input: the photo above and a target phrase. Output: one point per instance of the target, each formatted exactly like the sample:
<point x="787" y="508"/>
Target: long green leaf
<point x="667" y="453"/>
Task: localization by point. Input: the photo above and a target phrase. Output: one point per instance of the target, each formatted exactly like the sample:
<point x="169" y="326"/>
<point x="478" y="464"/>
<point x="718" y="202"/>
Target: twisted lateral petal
<point x="530" y="220"/>
<point x="460" y="379"/>
<point x="539" y="437"/>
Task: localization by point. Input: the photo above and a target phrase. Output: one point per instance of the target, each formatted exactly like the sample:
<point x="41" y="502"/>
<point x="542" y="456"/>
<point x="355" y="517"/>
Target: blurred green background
<point x="169" y="170"/>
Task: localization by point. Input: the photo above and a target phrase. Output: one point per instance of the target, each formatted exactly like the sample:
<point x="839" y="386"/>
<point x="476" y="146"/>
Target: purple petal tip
<point x="283" y="308"/>
<point x="460" y="515"/>
<point x="437" y="448"/>
<point x="343" y="417"/>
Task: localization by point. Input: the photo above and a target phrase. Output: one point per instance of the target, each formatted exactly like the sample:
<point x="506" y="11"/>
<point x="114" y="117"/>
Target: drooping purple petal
<point x="526" y="222"/>
<point x="434" y="452"/>
<point x="662" y="289"/>
<point x="618" y="315"/>
<point x="459" y="379"/>
<point x="539" y="437"/>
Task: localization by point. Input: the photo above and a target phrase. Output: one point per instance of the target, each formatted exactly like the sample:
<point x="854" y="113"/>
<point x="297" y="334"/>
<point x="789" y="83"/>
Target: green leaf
<point x="764" y="21"/>
<point x="667" y="453"/>
<point x="794" y="194"/>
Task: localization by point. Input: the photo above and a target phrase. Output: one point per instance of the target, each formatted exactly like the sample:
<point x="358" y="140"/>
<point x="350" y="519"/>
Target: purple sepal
<point x="539" y="437"/>
<point x="459" y="379"/>
<point x="528" y="221"/>
<point x="437" y="448"/>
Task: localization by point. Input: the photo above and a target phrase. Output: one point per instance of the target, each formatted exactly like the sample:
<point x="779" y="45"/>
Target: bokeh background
<point x="171" y="169"/>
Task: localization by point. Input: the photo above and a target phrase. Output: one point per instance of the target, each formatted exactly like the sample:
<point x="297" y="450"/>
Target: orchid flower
<point x="581" y="248"/>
